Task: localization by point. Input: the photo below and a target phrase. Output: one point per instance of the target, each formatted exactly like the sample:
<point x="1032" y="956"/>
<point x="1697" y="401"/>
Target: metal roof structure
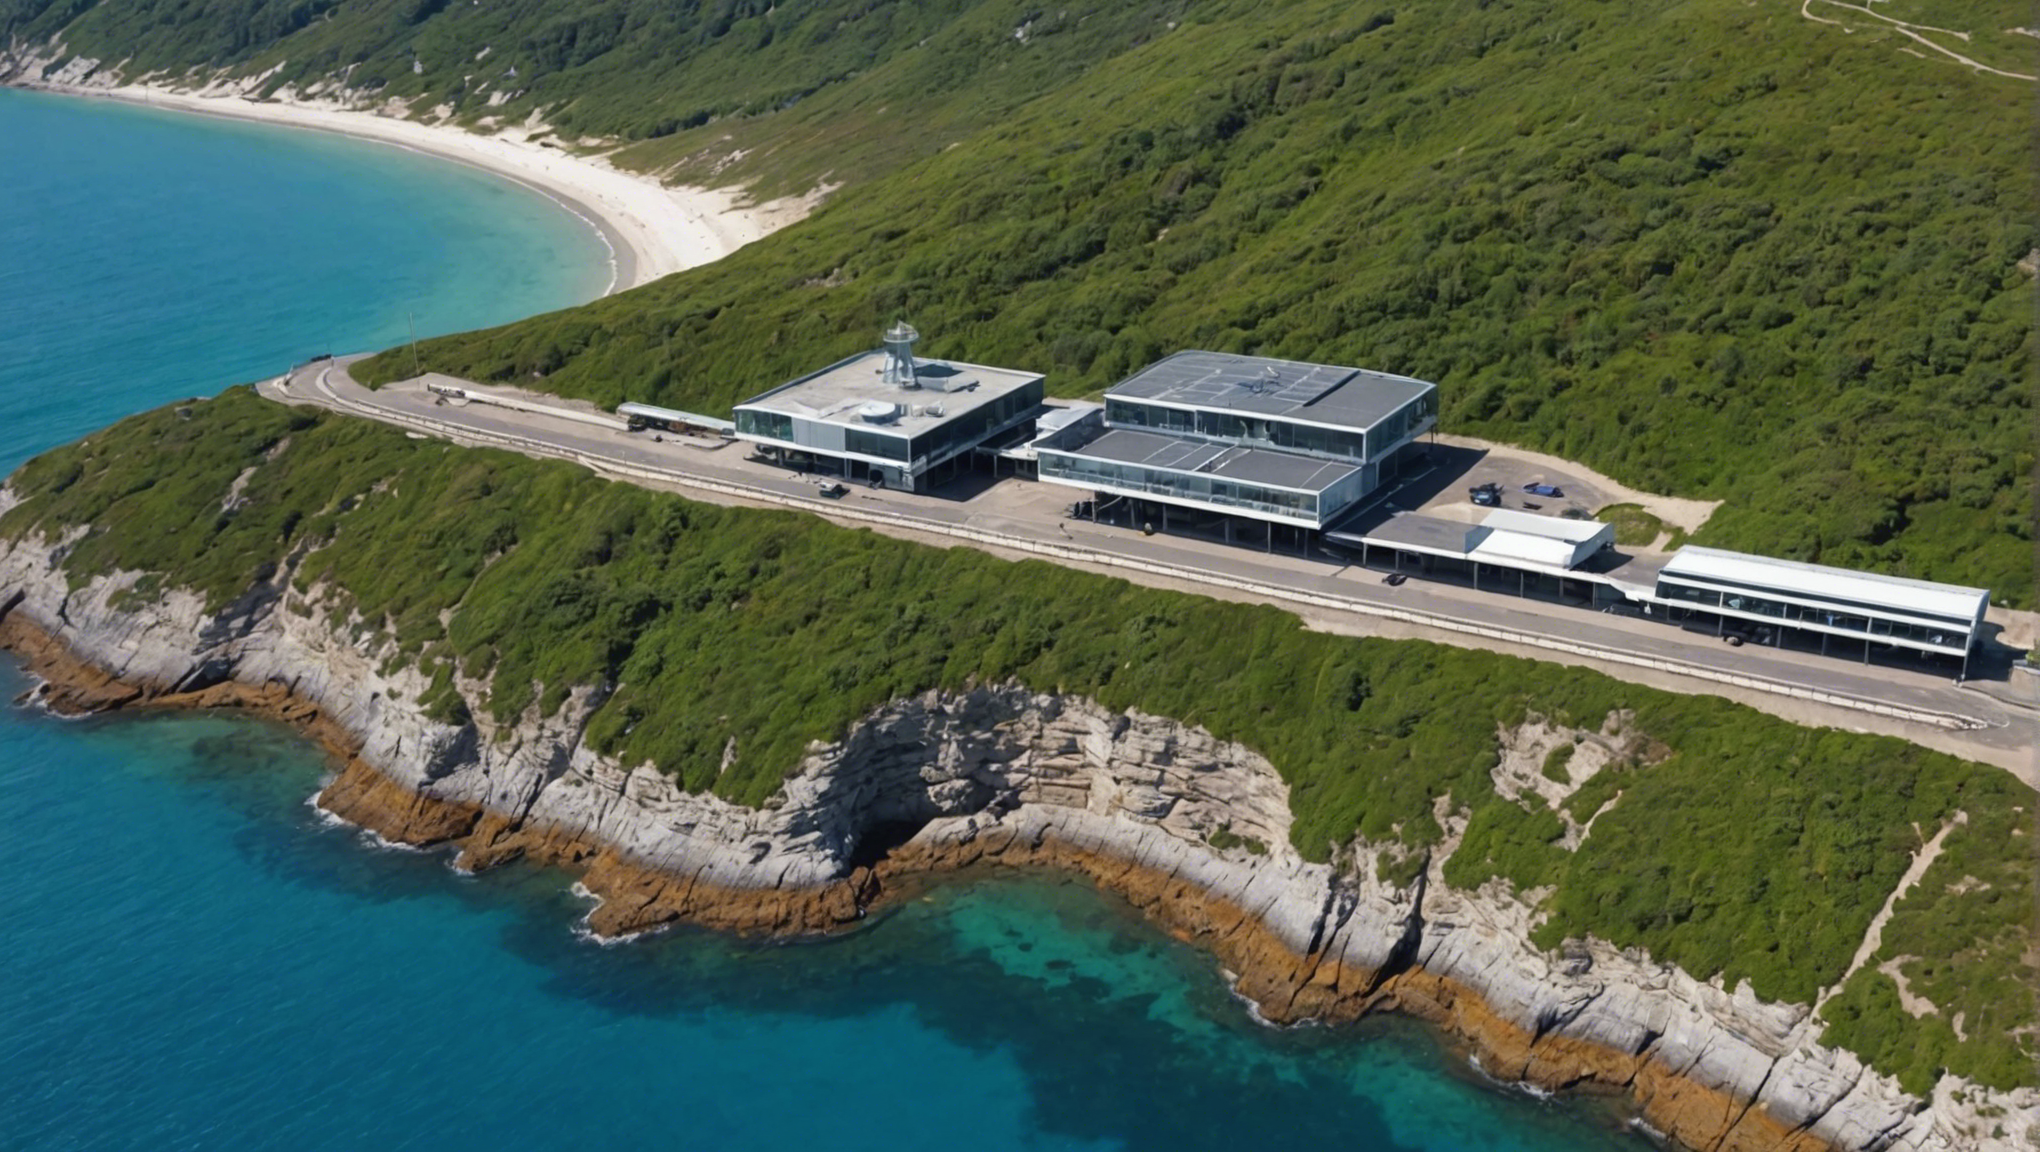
<point x="1247" y="465"/>
<point x="671" y="415"/>
<point x="1415" y="533"/>
<point x="1517" y="549"/>
<point x="1287" y="389"/>
<point x="1549" y="527"/>
<point x="852" y="392"/>
<point x="1893" y="594"/>
<point x="1547" y="544"/>
<point x="1055" y="417"/>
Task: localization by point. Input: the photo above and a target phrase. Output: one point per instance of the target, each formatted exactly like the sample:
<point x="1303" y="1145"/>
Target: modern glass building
<point x="1821" y="603"/>
<point x="1273" y="440"/>
<point x="1266" y="485"/>
<point x="888" y="417"/>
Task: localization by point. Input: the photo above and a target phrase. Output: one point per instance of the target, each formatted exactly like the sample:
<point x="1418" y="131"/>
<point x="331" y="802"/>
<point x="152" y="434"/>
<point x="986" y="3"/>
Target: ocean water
<point x="149" y="255"/>
<point x="190" y="958"/>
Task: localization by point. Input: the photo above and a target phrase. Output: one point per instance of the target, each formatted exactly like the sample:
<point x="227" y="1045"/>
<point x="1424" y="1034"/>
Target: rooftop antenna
<point x="899" y="355"/>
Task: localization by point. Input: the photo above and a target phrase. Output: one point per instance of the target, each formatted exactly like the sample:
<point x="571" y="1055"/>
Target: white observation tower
<point x="899" y="355"/>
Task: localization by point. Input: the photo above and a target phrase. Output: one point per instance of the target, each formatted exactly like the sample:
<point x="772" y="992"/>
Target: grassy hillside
<point x="1731" y="842"/>
<point x="1711" y="248"/>
<point x="671" y="77"/>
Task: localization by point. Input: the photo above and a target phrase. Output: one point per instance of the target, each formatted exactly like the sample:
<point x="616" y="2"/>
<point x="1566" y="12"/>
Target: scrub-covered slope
<point x="1716" y="249"/>
<point x="718" y="643"/>
<point x="1711" y="249"/>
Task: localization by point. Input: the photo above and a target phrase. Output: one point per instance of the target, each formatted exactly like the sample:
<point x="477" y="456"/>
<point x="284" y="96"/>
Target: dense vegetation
<point x="1714" y="249"/>
<point x="1735" y="843"/>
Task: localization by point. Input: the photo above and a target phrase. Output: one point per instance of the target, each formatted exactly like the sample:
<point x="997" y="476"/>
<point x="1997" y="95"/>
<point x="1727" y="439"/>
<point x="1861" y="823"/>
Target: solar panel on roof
<point x="1320" y="393"/>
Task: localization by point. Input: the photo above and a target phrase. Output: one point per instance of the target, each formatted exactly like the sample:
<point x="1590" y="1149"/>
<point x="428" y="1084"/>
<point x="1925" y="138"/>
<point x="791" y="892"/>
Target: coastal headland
<point x="1192" y="830"/>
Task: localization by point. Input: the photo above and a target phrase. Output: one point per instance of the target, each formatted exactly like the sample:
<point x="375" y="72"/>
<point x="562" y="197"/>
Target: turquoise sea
<point x="191" y="959"/>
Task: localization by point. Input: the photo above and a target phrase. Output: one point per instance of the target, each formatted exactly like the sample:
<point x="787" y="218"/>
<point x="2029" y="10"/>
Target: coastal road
<point x="1987" y="719"/>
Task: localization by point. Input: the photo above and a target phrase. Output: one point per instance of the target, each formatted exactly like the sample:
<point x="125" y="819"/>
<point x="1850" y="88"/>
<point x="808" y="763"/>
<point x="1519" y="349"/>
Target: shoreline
<point x="1281" y="985"/>
<point x="649" y="229"/>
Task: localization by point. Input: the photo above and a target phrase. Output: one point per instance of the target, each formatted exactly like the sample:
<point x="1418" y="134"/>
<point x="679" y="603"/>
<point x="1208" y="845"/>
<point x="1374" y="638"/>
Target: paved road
<point x="1992" y="720"/>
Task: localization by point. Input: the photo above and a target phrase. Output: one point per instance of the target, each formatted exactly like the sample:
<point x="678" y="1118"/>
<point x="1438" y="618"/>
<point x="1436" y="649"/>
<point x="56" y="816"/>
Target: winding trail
<point x="1911" y="31"/>
<point x="1873" y="936"/>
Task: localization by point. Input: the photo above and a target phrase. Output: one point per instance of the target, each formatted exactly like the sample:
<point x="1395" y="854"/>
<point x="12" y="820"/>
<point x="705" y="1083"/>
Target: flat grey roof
<point x="1247" y="465"/>
<point x="836" y="393"/>
<point x="1411" y="530"/>
<point x="1317" y="393"/>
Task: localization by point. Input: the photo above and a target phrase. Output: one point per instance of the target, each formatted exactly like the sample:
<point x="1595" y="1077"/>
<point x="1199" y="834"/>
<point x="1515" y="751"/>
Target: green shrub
<point x="1556" y="762"/>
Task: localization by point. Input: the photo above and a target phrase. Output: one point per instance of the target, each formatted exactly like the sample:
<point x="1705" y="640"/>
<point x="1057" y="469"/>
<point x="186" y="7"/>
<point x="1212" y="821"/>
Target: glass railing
<point x="1052" y="466"/>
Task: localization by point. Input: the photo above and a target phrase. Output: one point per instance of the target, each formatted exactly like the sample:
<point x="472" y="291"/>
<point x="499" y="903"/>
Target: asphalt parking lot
<point x="1439" y="487"/>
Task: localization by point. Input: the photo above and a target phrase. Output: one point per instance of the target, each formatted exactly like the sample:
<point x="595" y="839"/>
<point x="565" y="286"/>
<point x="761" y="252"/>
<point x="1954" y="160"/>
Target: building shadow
<point x="1993" y="658"/>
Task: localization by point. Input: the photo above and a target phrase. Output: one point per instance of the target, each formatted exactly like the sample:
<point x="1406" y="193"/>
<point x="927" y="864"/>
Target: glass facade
<point x="1203" y="488"/>
<point x="949" y="439"/>
<point x="1837" y="616"/>
<point x="1255" y="431"/>
<point x="970" y="430"/>
<point x="770" y="425"/>
<point x="1405" y="420"/>
<point x="861" y="442"/>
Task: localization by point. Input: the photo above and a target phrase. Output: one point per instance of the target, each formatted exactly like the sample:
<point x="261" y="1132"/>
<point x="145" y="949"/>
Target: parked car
<point x="1551" y="490"/>
<point x="834" y="490"/>
<point x="1486" y="495"/>
<point x="1394" y="579"/>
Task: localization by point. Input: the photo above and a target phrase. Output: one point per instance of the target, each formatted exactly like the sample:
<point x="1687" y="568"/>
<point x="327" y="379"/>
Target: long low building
<point x="639" y="417"/>
<point x="1521" y="552"/>
<point x="1519" y="541"/>
<point x="1818" y="601"/>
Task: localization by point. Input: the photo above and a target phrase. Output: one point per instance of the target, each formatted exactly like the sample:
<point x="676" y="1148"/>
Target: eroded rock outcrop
<point x="995" y="775"/>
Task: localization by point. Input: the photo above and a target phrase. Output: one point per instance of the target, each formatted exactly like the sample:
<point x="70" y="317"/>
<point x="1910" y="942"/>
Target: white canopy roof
<point x="1513" y="549"/>
<point x="1817" y="581"/>
<point x="1550" y="527"/>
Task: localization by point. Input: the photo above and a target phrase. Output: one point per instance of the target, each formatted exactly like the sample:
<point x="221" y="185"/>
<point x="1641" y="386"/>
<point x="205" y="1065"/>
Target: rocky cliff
<point x="1193" y="830"/>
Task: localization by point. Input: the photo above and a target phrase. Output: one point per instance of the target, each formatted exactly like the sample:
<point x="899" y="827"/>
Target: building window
<point x="865" y="443"/>
<point x="767" y="425"/>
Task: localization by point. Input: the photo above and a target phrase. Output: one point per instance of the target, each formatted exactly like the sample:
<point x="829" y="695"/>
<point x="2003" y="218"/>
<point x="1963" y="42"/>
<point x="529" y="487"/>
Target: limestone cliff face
<point x="996" y="775"/>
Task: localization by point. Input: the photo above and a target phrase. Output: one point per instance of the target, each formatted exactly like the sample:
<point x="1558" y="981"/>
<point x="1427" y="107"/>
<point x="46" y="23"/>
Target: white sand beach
<point x="651" y="230"/>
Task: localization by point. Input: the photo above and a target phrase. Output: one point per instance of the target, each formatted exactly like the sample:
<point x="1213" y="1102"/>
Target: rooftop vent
<point x="878" y="412"/>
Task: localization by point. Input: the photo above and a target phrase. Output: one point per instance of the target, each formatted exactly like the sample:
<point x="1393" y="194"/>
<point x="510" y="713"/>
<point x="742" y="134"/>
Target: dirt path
<point x="1873" y="937"/>
<point x="1913" y="32"/>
